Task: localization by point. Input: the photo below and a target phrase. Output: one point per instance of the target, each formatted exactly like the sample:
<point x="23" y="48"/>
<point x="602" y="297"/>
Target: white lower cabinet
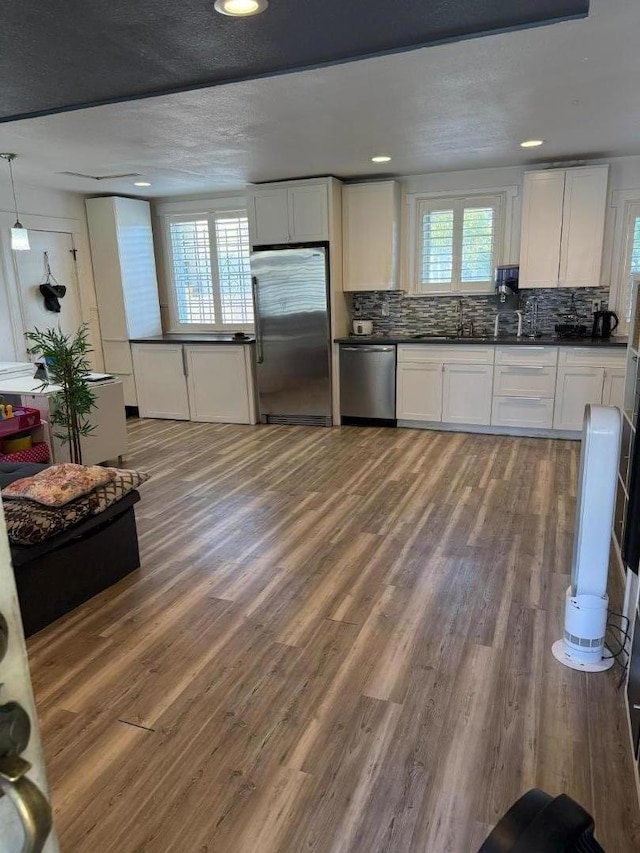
<point x="576" y="387"/>
<point x="613" y="388"/>
<point x="160" y="381"/>
<point x="219" y="383"/>
<point x="448" y="384"/>
<point x="466" y="393"/>
<point x="199" y="383"/>
<point x="419" y="392"/>
<point x="527" y="387"/>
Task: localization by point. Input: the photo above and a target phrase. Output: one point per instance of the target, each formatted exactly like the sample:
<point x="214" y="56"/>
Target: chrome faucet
<point x="496" y="326"/>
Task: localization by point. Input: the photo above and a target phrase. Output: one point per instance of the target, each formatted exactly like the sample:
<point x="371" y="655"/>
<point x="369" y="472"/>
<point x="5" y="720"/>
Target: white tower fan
<point x="586" y="600"/>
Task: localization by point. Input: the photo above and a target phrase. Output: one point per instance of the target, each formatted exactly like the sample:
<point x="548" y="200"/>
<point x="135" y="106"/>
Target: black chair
<point x="540" y="823"/>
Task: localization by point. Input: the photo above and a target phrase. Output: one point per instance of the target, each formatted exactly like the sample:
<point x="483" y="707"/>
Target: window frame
<point x="500" y="198"/>
<point x="627" y="277"/>
<point x="188" y="212"/>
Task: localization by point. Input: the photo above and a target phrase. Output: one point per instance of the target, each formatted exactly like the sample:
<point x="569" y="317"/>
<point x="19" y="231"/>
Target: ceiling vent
<point x="101" y="177"/>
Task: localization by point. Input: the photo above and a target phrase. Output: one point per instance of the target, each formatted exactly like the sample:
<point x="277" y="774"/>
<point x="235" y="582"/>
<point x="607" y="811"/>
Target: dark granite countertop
<point x="221" y="338"/>
<point x="506" y="340"/>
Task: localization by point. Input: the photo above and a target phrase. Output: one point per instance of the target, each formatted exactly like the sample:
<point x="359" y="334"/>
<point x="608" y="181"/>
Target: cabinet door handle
<point x="28" y="800"/>
<point x="256" y="320"/>
<point x="185" y="362"/>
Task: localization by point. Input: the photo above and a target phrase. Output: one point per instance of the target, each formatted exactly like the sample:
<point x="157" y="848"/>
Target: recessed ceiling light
<point x="380" y="158"/>
<point x="240" y="8"/>
<point x="531" y="143"/>
<point x="141" y="184"/>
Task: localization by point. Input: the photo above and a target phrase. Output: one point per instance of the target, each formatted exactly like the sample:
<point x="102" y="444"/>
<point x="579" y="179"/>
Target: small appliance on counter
<point x="570" y="325"/>
<point x="604" y="323"/>
<point x="362" y="327"/>
<point x="506" y="284"/>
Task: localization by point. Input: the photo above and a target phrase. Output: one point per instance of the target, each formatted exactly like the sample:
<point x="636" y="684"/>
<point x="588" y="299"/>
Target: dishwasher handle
<point x="374" y="348"/>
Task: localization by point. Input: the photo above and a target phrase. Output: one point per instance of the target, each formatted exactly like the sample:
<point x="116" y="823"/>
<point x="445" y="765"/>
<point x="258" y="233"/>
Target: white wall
<point x="624" y="186"/>
<point x="47" y="210"/>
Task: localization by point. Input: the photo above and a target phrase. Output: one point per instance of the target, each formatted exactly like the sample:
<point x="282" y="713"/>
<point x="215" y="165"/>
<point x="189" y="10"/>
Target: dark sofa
<point x="55" y="576"/>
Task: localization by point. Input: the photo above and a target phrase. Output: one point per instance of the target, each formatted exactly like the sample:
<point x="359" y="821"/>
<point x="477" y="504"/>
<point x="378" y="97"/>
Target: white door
<point x="585" y="199"/>
<point x="30" y="791"/>
<point x="575" y="388"/>
<point x="542" y="202"/>
<point x="218" y="383"/>
<point x="269" y="214"/>
<point x="466" y="393"/>
<point x="419" y="392"/>
<point x="31" y="271"/>
<point x="308" y="213"/>
<point x="613" y="389"/>
<point x="161" y="381"/>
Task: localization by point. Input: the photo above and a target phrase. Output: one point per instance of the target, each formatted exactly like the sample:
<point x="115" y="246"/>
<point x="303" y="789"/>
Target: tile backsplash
<point x="395" y="313"/>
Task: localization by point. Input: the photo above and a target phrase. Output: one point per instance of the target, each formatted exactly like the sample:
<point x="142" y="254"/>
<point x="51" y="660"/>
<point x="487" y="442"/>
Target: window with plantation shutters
<point x="210" y="271"/>
<point x="457" y="243"/>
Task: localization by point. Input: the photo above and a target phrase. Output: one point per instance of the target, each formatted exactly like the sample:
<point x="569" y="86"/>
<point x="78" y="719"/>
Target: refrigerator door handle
<point x="256" y="313"/>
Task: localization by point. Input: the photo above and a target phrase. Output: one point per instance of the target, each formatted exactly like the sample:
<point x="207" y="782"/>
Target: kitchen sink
<point x="434" y="337"/>
<point x="428" y="337"/>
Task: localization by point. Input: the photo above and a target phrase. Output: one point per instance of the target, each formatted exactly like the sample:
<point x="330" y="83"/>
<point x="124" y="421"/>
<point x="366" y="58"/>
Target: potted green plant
<point x="66" y="359"/>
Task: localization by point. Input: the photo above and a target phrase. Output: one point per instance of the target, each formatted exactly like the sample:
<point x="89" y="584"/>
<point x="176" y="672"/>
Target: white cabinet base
<point x="466" y="393"/>
<point x="419" y="392"/>
<point x="219" y="379"/>
<point x="211" y="384"/>
<point x="160" y="381"/>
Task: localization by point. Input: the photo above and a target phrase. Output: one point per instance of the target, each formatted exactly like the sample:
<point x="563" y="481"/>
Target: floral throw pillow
<point x="59" y="484"/>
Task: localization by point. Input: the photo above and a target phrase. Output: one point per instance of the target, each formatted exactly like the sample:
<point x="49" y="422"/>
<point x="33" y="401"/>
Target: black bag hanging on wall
<point x="52" y="293"/>
<point x="50" y="289"/>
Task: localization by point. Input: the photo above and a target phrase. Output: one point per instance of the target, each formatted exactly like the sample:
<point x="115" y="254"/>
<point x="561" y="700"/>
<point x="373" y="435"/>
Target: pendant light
<point x="19" y="234"/>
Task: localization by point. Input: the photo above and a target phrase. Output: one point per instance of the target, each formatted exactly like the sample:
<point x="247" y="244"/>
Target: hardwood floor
<point x="339" y="640"/>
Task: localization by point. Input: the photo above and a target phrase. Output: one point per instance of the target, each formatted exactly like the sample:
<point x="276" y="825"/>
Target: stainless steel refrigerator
<point x="292" y="323"/>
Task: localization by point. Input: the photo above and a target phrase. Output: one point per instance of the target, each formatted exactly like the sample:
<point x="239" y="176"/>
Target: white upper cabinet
<point x="288" y="213"/>
<point x="563" y="214"/>
<point x="585" y="200"/>
<point x="269" y="214"/>
<point x="542" y="200"/>
<point x="308" y="213"/>
<point x="124" y="267"/>
<point x="370" y="228"/>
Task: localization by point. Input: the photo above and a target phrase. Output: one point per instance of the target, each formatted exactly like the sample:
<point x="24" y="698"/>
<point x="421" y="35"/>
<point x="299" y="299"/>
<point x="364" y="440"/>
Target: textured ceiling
<point x="457" y="106"/>
<point x="61" y="54"/>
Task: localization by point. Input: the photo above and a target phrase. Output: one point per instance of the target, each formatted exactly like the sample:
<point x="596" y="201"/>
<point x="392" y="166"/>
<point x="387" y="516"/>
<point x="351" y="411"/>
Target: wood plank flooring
<point x="339" y="642"/>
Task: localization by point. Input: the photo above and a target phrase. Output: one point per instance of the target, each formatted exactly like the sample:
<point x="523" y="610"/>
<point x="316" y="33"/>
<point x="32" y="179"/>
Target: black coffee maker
<point x="604" y="323"/>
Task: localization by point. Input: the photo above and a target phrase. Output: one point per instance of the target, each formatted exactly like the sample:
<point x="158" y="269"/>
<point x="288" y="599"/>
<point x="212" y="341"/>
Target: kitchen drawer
<point x="445" y="354"/>
<point x="524" y="380"/>
<point x="527" y="355"/>
<point x="592" y="356"/>
<point x="522" y="412"/>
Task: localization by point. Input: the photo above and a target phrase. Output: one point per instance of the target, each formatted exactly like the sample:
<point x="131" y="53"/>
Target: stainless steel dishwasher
<point x="367" y="382"/>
